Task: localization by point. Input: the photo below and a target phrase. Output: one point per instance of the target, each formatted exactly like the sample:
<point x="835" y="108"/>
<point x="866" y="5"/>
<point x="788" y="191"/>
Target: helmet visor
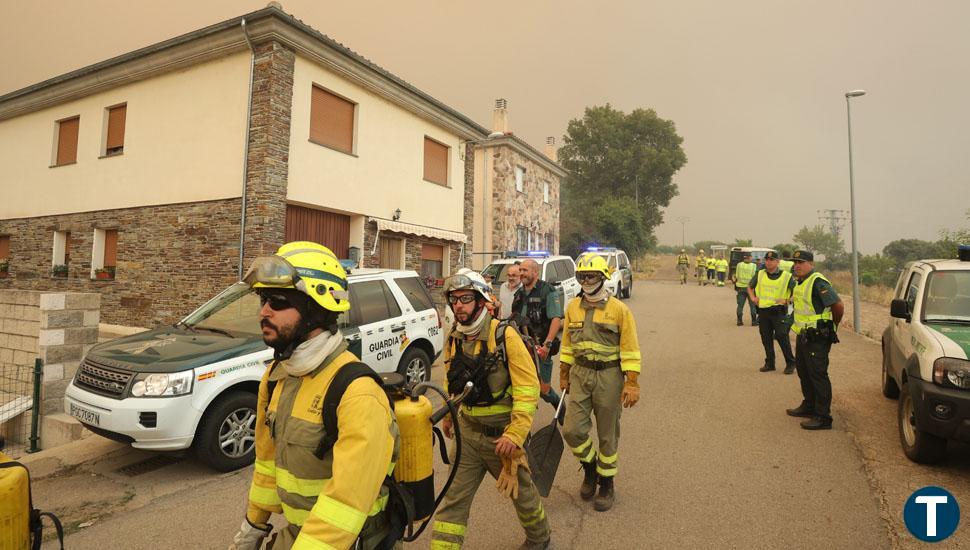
<point x="464" y="282"/>
<point x="271" y="271"/>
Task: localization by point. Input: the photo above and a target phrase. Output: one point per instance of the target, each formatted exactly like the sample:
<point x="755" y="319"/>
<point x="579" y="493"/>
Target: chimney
<point x="551" y="149"/>
<point x="500" y="120"/>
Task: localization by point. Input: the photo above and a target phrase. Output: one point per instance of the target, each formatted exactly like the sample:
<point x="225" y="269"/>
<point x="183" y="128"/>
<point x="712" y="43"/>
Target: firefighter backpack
<point x="21" y="526"/>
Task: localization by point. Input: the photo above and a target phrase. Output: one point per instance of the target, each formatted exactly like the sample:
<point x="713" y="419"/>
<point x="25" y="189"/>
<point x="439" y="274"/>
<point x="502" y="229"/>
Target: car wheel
<point x="628" y="291"/>
<point x="890" y="388"/>
<point x="226" y="437"/>
<point x="918" y="445"/>
<point x="619" y="291"/>
<point x="415" y="365"/>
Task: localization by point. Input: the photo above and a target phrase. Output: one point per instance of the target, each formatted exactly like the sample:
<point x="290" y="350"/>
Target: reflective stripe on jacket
<point x="330" y="498"/>
<point x="683" y="260"/>
<point x="805" y="315"/>
<point x="711" y="263"/>
<point x="519" y="382"/>
<point x="771" y="291"/>
<point x="701" y="261"/>
<point x="743" y="273"/>
<point x="601" y="333"/>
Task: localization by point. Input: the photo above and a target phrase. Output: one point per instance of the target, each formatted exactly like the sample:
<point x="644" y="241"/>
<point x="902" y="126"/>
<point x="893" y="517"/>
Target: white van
<point x="194" y="384"/>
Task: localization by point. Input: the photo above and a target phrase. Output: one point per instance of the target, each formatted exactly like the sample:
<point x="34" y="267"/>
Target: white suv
<point x="925" y="353"/>
<point x="620" y="283"/>
<point x="194" y="384"/>
<point x="560" y="271"/>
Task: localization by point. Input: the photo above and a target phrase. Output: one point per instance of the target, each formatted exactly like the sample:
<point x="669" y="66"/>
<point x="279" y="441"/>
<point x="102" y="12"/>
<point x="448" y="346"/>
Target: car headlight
<point x="162" y="385"/>
<point x="950" y="371"/>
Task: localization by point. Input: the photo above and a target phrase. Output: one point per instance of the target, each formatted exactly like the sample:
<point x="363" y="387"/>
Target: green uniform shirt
<point x="545" y="294"/>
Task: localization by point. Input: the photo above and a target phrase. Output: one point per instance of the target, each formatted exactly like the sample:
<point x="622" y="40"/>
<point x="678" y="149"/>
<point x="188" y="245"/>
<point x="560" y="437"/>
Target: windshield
<point x="235" y="310"/>
<point x="947" y="296"/>
<point x="498" y="272"/>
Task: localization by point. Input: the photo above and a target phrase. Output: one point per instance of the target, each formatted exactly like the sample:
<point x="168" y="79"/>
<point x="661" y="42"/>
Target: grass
<point x="876" y="294"/>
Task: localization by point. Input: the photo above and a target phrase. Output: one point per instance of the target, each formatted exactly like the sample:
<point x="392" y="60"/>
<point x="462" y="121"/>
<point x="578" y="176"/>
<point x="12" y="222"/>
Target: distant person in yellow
<point x="721" y="266"/>
<point x="683" y="266"/>
<point x="331" y="492"/>
<point x="711" y="264"/>
<point x="700" y="265"/>
<point x="743" y="273"/>
<point x="599" y="371"/>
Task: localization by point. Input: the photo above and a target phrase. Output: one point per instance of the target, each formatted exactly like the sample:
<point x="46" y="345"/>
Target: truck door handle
<point x="398" y="329"/>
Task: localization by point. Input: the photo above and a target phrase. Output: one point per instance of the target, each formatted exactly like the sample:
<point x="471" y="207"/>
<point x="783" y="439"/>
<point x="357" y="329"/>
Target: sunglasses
<point x="588" y="277"/>
<point x="277" y="302"/>
<point x="464" y="298"/>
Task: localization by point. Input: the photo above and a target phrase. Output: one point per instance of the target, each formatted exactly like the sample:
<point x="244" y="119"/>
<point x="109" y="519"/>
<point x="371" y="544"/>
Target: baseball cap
<point x="772" y="255"/>
<point x="803" y="256"/>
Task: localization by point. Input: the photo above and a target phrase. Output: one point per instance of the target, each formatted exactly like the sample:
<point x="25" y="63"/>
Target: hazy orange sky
<point x="755" y="88"/>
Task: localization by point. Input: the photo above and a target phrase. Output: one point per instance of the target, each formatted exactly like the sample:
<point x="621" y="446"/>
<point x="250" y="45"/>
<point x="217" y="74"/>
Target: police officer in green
<point x="818" y="312"/>
<point x="743" y="273"/>
<point x="770" y="289"/>
<point x="538" y="311"/>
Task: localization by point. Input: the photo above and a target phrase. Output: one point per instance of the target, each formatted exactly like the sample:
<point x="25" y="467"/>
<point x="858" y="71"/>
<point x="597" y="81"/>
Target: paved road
<point x="708" y="459"/>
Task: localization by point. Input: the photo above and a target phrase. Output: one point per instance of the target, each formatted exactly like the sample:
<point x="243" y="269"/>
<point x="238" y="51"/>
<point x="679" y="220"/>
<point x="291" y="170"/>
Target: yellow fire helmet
<point x="595" y="263"/>
<point x="308" y="267"/>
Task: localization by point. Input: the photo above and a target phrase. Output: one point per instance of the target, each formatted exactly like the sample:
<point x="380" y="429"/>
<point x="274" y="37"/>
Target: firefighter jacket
<point x="516" y="386"/>
<point x="721" y="265"/>
<point x="600" y="335"/>
<point x="330" y="498"/>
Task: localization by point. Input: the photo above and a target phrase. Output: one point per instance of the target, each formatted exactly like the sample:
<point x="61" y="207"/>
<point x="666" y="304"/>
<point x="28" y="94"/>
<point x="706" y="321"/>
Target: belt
<point x="597" y="365"/>
<point x="487" y="431"/>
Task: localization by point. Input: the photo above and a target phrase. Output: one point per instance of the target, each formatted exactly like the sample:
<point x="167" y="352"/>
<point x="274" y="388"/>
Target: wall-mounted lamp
<point x="397" y="214"/>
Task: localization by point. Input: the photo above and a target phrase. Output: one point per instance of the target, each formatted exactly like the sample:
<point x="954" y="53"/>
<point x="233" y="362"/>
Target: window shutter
<point x="331" y="120"/>
<point x="435" y="162"/>
<point x="116" y="127"/>
<point x="4" y="248"/>
<point x="67" y="140"/>
<point x="110" y="248"/>
<point x="432" y="252"/>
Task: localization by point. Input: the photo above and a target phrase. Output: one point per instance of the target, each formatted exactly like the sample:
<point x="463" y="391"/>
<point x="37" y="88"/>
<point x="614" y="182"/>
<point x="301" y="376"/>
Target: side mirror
<point x="899" y="309"/>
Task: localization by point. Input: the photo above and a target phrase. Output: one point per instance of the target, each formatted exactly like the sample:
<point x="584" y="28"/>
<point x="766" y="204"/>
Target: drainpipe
<point x="249" y="113"/>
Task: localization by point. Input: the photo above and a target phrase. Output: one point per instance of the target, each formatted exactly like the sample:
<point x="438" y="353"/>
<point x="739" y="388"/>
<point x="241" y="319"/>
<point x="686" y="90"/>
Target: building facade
<point x="154" y="178"/>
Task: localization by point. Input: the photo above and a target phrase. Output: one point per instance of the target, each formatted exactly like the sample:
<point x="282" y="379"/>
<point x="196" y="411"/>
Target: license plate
<point x="84" y="415"/>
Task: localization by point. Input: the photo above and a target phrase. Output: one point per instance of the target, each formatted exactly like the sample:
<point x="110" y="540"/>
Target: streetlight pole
<point x="683" y="230"/>
<point x="856" y="317"/>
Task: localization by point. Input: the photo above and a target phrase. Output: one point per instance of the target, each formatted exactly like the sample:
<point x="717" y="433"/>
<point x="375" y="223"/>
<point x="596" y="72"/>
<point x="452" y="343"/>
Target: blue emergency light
<point x="527" y="254"/>
<point x="600" y="249"/>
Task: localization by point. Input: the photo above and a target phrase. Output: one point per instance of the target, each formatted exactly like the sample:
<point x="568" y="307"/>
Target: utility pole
<point x="835" y="219"/>
<point x="683" y="230"/>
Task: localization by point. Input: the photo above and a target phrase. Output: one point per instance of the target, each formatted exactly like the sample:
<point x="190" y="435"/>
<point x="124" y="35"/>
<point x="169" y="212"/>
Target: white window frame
<point x="519" y="179"/>
<point x="545" y="192"/>
<point x="60" y="248"/>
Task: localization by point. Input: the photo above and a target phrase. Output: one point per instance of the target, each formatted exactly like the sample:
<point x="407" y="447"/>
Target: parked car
<point x="194" y="384"/>
<point x="560" y="271"/>
<point x="738" y="252"/>
<point x="620" y="283"/>
<point x="925" y="353"/>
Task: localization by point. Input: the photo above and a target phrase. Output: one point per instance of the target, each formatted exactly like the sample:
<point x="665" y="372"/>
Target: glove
<point x="508" y="478"/>
<point x="250" y="536"/>
<point x="631" y="390"/>
<point x="564" y="376"/>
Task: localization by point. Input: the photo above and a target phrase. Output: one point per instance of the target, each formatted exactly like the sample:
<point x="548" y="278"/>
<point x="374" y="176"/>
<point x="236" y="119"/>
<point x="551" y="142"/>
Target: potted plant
<point x="59" y="271"/>
<point x="105" y="273"/>
<point x="4" y="268"/>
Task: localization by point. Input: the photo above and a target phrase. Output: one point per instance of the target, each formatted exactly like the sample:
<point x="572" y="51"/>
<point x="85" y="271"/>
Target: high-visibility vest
<point x="683" y="260"/>
<point x="785" y="265"/>
<point x="701" y="261"/>
<point x="771" y="291"/>
<point x="743" y="273"/>
<point x="721" y="265"/>
<point x="805" y="316"/>
<point x="711" y="262"/>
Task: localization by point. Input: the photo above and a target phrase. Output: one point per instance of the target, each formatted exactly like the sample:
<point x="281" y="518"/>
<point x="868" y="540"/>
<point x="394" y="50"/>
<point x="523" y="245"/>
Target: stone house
<point x="155" y="177"/>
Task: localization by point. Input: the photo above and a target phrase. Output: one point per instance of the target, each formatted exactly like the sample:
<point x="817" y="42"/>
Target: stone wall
<point x="512" y="208"/>
<point x="59" y="328"/>
<point x="170" y="258"/>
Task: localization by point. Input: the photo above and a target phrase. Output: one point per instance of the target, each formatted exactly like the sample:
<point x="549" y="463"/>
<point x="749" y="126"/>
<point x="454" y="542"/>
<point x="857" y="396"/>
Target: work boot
<point x="789" y="369"/>
<point x="604" y="500"/>
<point x="590" y="477"/>
<point x="754" y="323"/>
<point x="801" y="411"/>
<point x="817" y="423"/>
<point x="766" y="368"/>
<point x="740" y="323"/>
<point x="535" y="545"/>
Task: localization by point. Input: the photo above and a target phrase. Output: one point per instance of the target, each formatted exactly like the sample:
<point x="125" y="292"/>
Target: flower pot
<point x="103" y="275"/>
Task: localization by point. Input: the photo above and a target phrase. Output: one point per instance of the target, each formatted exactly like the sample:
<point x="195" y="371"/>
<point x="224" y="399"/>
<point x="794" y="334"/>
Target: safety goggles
<point x="464" y="298"/>
<point x="272" y="271"/>
<point x="276" y="302"/>
<point x="588" y="277"/>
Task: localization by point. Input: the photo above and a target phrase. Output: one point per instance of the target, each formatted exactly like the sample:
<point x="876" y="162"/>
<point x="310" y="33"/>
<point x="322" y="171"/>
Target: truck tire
<point x="919" y="446"/>
<point x="628" y="291"/>
<point x="890" y="388"/>
<point x="226" y="437"/>
<point x="415" y="365"/>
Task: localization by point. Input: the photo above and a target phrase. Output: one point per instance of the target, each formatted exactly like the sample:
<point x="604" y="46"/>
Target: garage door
<point x="327" y="228"/>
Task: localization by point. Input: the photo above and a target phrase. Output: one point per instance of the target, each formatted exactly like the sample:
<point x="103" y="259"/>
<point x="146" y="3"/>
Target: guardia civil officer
<point x="538" y="311"/>
<point x="743" y="273"/>
<point x="770" y="290"/>
<point x="818" y="312"/>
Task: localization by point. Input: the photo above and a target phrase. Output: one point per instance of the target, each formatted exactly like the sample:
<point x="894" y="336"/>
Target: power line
<point x="835" y="219"/>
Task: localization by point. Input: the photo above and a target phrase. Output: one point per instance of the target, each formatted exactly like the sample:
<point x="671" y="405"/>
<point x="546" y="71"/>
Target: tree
<point x="705" y="246"/>
<point x="820" y="241"/>
<point x="743" y="242"/>
<point x="957" y="236"/>
<point x="907" y="250"/>
<point x="621" y="168"/>
<point x="785" y="249"/>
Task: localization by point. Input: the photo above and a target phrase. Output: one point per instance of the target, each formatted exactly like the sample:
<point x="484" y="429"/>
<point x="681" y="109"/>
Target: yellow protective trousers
<point x="478" y="458"/>
<point x="594" y="393"/>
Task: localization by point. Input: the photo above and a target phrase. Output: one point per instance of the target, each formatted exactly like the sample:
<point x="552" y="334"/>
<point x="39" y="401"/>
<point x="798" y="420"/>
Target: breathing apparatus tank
<point x="415" y="465"/>
<point x="14" y="505"/>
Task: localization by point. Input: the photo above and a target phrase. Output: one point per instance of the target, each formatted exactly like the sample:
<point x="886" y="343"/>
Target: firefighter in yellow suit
<point x="333" y="500"/>
<point x="599" y="368"/>
<point x="495" y="417"/>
